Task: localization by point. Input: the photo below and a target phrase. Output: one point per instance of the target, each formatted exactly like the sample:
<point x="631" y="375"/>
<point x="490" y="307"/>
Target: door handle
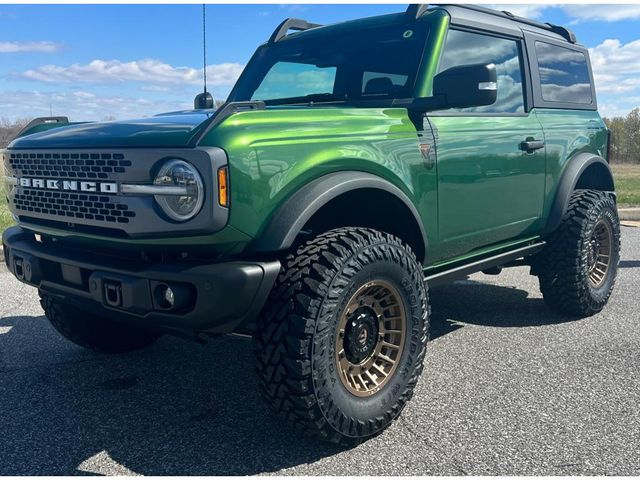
<point x="530" y="146"/>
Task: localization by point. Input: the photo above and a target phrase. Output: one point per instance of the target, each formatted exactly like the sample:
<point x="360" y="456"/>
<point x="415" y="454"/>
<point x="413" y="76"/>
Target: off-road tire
<point x="564" y="263"/>
<point x="92" y="332"/>
<point x="295" y="341"/>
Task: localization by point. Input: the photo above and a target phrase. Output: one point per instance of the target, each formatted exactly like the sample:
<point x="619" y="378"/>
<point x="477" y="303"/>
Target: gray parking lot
<point x="509" y="388"/>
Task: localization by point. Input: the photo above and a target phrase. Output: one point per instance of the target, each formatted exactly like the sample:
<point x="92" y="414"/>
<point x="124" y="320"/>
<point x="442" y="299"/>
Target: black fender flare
<point x="289" y="219"/>
<point x="576" y="166"/>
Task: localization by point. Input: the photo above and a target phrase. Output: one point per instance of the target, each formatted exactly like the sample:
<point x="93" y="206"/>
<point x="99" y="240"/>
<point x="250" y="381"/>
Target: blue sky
<point x="91" y="62"/>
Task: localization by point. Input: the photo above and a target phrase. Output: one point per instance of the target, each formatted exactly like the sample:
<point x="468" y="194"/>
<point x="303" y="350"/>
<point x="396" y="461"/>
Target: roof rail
<point x="563" y="32"/>
<point x="39" y="121"/>
<point x="416" y="10"/>
<point x="290" y="24"/>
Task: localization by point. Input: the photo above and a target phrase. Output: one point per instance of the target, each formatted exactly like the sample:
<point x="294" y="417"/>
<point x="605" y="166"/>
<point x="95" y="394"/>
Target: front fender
<point x="297" y="210"/>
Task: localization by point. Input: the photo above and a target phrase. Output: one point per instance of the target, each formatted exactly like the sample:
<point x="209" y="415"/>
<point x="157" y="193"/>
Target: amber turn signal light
<point x="223" y="186"/>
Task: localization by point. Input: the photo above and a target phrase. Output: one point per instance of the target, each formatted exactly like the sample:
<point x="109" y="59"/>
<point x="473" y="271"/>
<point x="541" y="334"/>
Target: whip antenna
<point x="205" y="99"/>
<point x="204" y="44"/>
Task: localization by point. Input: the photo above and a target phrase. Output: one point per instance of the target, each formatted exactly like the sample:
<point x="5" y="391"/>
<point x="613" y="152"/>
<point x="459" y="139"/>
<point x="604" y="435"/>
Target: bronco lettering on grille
<point x="69" y="185"/>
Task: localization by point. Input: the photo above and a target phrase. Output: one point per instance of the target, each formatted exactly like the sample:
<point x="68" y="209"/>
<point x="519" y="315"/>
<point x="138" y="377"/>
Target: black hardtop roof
<point x="461" y="15"/>
<point x="495" y="19"/>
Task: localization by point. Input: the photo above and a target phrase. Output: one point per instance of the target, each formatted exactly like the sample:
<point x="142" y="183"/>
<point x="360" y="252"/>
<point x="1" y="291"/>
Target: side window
<point x="292" y="80"/>
<point x="467" y="48"/>
<point x="564" y="74"/>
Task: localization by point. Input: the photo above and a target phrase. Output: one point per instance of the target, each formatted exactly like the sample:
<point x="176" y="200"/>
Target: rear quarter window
<point x="564" y="74"/>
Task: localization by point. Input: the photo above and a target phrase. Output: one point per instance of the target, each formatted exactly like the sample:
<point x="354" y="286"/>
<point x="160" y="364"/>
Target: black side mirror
<point x="467" y="86"/>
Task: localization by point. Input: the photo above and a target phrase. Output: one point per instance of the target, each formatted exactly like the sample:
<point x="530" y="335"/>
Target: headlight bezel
<point x="163" y="201"/>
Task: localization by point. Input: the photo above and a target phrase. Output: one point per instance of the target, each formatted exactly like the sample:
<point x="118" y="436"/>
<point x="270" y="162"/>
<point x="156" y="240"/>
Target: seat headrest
<point x="379" y="86"/>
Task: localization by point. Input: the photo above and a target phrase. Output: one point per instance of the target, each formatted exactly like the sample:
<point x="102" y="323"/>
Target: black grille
<point x="69" y="165"/>
<point x="73" y="205"/>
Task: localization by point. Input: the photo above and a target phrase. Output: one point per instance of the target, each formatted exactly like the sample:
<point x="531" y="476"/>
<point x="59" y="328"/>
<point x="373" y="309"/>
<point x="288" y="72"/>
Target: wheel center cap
<point x="361" y="335"/>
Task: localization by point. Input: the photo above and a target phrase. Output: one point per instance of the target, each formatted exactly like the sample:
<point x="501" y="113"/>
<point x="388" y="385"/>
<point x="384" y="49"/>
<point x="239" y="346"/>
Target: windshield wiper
<point x="307" y="99"/>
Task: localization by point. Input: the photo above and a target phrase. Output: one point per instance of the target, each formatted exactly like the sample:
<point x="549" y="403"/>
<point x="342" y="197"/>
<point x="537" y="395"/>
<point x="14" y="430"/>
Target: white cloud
<point x="81" y="105"/>
<point x="26" y="47"/>
<point x="155" y="88"/>
<point x="147" y="71"/>
<point x="521" y="10"/>
<point x="612" y="58"/>
<point x="602" y="12"/>
<point x="293" y="7"/>
<point x="616" y="86"/>
<point x="578" y="13"/>
<point x="616" y="66"/>
<point x="616" y="70"/>
<point x="610" y="110"/>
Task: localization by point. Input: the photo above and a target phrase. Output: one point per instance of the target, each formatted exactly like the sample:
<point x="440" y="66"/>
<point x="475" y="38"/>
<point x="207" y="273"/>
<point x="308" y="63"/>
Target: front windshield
<point x="380" y="62"/>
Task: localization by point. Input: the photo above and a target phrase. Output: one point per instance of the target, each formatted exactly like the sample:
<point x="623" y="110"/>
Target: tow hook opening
<point x="18" y="267"/>
<point x="113" y="293"/>
<point x="26" y="268"/>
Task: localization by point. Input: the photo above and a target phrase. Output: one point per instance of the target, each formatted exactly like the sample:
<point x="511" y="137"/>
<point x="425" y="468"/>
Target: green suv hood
<point x="167" y="130"/>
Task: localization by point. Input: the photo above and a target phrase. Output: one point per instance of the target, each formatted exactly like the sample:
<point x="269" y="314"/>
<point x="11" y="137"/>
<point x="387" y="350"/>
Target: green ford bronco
<point x="352" y="166"/>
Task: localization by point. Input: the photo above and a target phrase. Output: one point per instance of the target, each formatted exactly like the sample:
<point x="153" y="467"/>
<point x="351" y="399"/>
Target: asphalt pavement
<point x="509" y="388"/>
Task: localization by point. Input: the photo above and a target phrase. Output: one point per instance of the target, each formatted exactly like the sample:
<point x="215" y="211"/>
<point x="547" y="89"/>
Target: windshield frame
<point x="255" y="71"/>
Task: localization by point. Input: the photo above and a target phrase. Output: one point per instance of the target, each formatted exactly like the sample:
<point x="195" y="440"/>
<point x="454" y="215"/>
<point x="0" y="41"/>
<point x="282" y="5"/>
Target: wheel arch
<point x="348" y="198"/>
<point x="584" y="171"/>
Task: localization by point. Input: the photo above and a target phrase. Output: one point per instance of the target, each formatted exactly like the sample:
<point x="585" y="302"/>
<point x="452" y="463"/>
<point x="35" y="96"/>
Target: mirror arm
<point x="422" y="104"/>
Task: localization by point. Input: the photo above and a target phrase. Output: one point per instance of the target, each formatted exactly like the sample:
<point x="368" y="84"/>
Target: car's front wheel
<point x="341" y="343"/>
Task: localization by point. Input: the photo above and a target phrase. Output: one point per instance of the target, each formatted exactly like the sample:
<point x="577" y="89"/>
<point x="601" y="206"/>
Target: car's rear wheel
<point x="94" y="332"/>
<point x="578" y="268"/>
<point x="341" y="342"/>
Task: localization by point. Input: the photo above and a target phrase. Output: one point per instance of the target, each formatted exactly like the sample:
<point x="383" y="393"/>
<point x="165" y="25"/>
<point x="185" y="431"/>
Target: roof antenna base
<point x="203" y="101"/>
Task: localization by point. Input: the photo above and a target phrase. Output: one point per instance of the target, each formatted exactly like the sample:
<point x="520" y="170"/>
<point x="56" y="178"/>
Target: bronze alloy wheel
<point x="340" y="345"/>
<point x="579" y="265"/>
<point x="370" y="339"/>
<point x="599" y="253"/>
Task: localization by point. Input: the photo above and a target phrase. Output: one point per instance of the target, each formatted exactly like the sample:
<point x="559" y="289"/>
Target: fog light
<point x="165" y="297"/>
<point x="169" y="297"/>
<point x="173" y="296"/>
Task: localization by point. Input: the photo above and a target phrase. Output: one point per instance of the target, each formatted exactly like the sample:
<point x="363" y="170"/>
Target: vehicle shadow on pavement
<point x="177" y="408"/>
<point x="474" y="303"/>
<point x="629" y="264"/>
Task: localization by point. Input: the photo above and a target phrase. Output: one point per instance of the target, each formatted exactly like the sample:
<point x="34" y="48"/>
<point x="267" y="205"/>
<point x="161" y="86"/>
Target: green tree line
<point x="9" y="129"/>
<point x="625" y="137"/>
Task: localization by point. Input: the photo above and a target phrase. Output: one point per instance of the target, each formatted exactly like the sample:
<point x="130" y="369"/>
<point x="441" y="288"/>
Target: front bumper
<point x="213" y="298"/>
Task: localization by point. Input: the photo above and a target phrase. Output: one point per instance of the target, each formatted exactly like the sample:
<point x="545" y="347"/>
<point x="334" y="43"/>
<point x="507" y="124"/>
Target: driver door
<point x="490" y="183"/>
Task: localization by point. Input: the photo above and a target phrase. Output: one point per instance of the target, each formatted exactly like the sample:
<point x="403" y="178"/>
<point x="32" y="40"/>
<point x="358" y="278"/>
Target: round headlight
<point x="185" y="204"/>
